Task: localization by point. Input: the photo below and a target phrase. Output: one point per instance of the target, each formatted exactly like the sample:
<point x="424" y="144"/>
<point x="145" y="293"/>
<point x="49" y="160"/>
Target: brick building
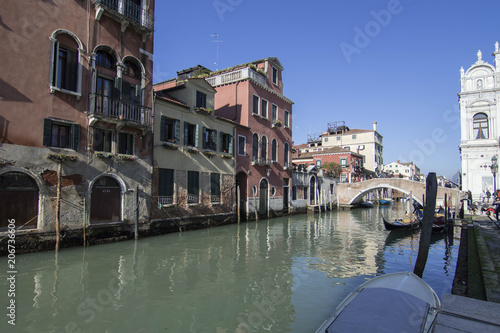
<point x="252" y="96"/>
<point x="76" y="103"/>
<point x="351" y="162"/>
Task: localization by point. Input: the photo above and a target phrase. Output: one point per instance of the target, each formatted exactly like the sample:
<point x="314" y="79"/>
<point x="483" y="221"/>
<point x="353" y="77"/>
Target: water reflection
<point x="280" y="275"/>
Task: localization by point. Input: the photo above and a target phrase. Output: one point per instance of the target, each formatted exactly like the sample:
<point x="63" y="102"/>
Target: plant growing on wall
<point x="101" y="154"/>
<point x="332" y="169"/>
<point x="61" y="157"/>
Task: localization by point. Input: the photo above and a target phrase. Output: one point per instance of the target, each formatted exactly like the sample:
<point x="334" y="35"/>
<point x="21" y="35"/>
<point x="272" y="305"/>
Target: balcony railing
<point x="193" y="198"/>
<point x="166" y="200"/>
<point x="215" y="198"/>
<point x="128" y="9"/>
<point x="237" y="75"/>
<point x="107" y="107"/>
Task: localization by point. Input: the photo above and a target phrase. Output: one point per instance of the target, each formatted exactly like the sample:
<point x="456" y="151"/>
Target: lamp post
<point x="494" y="169"/>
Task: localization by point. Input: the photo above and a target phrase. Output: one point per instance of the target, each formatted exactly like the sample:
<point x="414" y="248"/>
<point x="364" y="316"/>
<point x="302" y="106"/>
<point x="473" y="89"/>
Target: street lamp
<point x="494" y="169"/>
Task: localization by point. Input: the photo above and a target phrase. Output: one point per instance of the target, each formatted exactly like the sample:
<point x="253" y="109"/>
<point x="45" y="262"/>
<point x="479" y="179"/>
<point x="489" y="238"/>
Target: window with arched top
<point x="480" y="126"/>
<point x="274" y="151"/>
<point x="285" y="154"/>
<point x="263" y="149"/>
<point x="66" y="65"/>
<point x="105" y="59"/>
<point x="255" y="147"/>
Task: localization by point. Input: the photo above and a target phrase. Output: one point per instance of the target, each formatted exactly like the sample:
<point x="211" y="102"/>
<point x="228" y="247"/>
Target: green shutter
<point x="72" y="70"/>
<point x="230" y="148"/>
<point x="221" y="141"/>
<point x="196" y="141"/>
<point x="177" y="130"/>
<point x="214" y="139"/>
<point x="162" y="128"/>
<point x="55" y="58"/>
<point x="47" y="132"/>
<point x="75" y="136"/>
<point x="117" y="88"/>
<point x="204" y="137"/>
<point x="186" y="127"/>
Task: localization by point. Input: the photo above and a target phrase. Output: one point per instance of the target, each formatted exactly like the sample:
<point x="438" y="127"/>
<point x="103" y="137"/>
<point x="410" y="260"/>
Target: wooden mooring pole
<point x="425" y="234"/>
<point x="58" y="206"/>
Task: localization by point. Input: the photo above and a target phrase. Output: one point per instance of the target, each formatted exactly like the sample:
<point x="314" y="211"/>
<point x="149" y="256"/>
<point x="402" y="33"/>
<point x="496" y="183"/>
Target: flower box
<point x="170" y="145"/>
<point x="192" y="150"/>
<point x="228" y="156"/>
<point x="209" y="153"/>
<point x="277" y="124"/>
<point x="101" y="154"/>
<point x="122" y="157"/>
<point x="61" y="157"/>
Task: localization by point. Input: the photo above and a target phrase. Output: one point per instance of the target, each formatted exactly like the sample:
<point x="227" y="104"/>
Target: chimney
<point x="375" y="126"/>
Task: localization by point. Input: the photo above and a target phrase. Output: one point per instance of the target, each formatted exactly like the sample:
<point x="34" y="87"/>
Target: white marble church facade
<point x="479" y="100"/>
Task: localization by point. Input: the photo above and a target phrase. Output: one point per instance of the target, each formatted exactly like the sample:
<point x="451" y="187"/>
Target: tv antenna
<point x="218" y="41"/>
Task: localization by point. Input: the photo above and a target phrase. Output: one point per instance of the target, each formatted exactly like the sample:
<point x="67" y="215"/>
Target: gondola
<point x="408" y="222"/>
<point x="397" y="302"/>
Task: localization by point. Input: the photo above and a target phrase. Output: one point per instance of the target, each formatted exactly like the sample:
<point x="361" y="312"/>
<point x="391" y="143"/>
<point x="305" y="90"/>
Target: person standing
<point x="488" y="195"/>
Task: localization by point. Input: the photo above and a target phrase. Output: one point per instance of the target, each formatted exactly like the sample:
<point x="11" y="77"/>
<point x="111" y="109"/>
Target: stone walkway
<point x="464" y="314"/>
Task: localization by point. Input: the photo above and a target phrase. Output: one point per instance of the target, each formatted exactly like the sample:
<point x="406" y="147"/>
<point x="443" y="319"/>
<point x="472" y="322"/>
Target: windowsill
<point x="61" y="149"/>
<point x="69" y="92"/>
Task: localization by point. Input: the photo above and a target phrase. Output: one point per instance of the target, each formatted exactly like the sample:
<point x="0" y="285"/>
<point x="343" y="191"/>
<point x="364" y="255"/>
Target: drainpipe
<point x="236" y="101"/>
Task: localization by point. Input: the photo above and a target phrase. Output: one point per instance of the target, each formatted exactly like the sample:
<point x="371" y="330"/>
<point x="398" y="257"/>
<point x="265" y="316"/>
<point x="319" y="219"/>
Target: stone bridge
<point x="349" y="194"/>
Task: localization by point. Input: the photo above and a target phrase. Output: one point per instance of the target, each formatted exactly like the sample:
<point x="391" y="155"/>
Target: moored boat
<point x="385" y="201"/>
<point x="408" y="222"/>
<point x="398" y="302"/>
<point x="366" y="204"/>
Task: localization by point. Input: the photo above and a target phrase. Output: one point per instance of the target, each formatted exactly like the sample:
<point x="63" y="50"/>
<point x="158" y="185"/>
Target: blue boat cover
<point x="381" y="310"/>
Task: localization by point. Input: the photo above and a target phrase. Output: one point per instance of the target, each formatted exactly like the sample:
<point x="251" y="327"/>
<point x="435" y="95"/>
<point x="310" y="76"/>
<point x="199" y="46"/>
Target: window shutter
<point x="162" y="128"/>
<point x="75" y="136"/>
<point x="54" y="63"/>
<point x="221" y="141"/>
<point x="117" y="88"/>
<point x="186" y="125"/>
<point x="230" y="148"/>
<point x="47" y="132"/>
<point x="204" y="131"/>
<point x="214" y="139"/>
<point x="196" y="141"/>
<point x="72" y="70"/>
<point x="177" y="130"/>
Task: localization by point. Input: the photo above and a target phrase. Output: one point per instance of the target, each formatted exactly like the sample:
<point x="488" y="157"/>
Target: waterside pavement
<point x="480" y="310"/>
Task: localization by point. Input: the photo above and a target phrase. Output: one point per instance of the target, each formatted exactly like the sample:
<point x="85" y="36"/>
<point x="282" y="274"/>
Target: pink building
<point x="75" y="99"/>
<point x="252" y="95"/>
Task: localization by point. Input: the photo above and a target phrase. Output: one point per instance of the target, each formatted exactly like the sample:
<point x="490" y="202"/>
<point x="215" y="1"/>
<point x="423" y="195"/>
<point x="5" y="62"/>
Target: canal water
<point x="279" y="275"/>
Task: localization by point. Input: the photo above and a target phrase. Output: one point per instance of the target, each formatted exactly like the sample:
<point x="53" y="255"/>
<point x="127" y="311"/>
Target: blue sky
<point x="359" y="61"/>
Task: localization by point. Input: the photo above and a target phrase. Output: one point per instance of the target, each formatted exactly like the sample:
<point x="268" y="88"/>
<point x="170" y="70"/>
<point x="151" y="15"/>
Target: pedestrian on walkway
<point x="488" y="196"/>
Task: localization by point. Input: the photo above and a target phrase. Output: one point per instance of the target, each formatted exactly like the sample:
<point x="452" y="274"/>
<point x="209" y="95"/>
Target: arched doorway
<point x="263" y="197"/>
<point x="241" y="187"/>
<point x="105" y="202"/>
<point x="18" y="200"/>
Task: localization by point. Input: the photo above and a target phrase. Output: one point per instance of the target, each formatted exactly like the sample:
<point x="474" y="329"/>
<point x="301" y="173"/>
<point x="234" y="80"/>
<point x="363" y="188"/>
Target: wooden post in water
<point x="136" y="224"/>
<point x="238" y="203"/>
<point x="425" y="234"/>
<point x="58" y="206"/>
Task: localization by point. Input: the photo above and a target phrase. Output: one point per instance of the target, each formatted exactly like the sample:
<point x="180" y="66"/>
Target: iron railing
<point x="129" y="10"/>
<point x="166" y="200"/>
<point x="107" y="107"/>
<point x="215" y="198"/>
<point x="193" y="198"/>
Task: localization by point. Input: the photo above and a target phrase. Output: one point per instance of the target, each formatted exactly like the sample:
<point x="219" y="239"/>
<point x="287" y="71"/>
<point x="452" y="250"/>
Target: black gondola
<point x="409" y="222"/>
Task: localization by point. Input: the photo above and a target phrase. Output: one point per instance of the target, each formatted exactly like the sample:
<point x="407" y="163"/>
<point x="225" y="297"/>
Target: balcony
<point x="166" y="200"/>
<point x="237" y="75"/>
<point x="126" y="11"/>
<point x="120" y="112"/>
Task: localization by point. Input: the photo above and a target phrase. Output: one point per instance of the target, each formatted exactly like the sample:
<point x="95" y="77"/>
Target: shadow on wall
<point x="10" y="93"/>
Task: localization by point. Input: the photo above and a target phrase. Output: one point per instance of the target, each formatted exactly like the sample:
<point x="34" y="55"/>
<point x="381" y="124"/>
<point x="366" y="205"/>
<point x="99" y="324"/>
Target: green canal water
<point x="279" y="275"/>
